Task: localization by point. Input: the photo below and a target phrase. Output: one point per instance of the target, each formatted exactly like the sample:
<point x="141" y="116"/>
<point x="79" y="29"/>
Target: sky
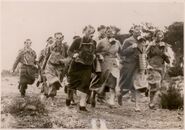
<point x="39" y="20"/>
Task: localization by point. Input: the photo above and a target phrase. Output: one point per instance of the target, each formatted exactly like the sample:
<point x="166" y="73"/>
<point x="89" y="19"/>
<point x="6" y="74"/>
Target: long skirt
<point x="79" y="76"/>
<point x="107" y="79"/>
<point x="127" y="73"/>
<point x="54" y="76"/>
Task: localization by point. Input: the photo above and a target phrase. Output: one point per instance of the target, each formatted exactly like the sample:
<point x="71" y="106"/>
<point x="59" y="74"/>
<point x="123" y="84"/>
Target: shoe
<point x="83" y="109"/>
<point x="73" y="102"/>
<point x="112" y="106"/>
<point x="151" y="106"/>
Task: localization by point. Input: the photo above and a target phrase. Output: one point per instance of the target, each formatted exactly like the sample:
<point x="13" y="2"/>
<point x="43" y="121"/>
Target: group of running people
<point x="94" y="66"/>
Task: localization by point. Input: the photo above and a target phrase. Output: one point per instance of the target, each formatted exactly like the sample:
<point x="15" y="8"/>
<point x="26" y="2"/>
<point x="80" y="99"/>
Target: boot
<point x="72" y="98"/>
<point x="151" y="104"/>
<point x="68" y="102"/>
<point x="22" y="93"/>
<point x="82" y="108"/>
<point x="120" y="100"/>
<point x="83" y="99"/>
<point x="111" y="101"/>
<point x="38" y="83"/>
<point x="93" y="99"/>
<point x="23" y="89"/>
<point x="65" y="89"/>
<point x="69" y="97"/>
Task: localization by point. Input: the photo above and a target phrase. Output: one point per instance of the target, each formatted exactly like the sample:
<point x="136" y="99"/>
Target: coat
<point x="109" y="65"/>
<point x="80" y="69"/>
<point x="157" y="57"/>
<point x="129" y="64"/>
<point x="55" y="66"/>
<point x="28" y="70"/>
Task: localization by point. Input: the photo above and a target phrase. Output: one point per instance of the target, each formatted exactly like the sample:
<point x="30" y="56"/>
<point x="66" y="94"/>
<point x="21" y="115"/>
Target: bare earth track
<point x="46" y="116"/>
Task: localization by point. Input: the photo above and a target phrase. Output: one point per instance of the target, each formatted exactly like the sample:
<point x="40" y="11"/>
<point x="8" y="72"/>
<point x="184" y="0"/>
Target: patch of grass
<point x="29" y="118"/>
<point x="18" y="105"/>
<point x="172" y="99"/>
<point x="175" y="71"/>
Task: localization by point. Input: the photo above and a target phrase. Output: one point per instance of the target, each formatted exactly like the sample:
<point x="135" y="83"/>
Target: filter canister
<point x="142" y="61"/>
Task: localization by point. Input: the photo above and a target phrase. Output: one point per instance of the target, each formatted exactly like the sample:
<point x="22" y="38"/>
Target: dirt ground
<point x="61" y="117"/>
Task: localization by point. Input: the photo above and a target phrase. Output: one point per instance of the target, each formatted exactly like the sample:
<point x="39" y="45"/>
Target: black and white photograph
<point x="92" y="64"/>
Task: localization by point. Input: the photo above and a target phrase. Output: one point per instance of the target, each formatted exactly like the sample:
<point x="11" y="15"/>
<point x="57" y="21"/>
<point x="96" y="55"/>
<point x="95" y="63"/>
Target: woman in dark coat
<point x="82" y="53"/>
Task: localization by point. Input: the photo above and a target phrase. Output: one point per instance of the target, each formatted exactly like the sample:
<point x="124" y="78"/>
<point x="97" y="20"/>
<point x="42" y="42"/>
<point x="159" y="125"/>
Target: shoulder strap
<point x="81" y="41"/>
